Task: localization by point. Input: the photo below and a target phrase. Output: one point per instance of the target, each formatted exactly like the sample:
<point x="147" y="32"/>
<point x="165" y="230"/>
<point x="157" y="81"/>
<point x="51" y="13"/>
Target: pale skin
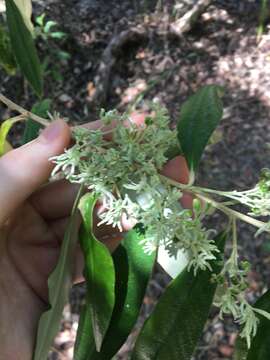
<point x="33" y="216"/>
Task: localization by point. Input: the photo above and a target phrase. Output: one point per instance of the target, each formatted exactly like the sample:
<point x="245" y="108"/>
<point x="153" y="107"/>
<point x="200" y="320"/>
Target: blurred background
<point x="123" y="53"/>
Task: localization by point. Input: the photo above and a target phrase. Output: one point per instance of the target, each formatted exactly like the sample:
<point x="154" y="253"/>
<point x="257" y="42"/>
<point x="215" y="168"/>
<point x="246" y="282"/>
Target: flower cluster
<point x="121" y="163"/>
<point x="231" y="299"/>
<point x="122" y="167"/>
<point x="256" y="199"/>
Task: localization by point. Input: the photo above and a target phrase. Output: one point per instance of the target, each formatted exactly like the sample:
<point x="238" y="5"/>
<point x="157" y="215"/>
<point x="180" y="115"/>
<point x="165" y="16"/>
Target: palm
<point x="32" y="226"/>
<point x="34" y="234"/>
<point x="32" y="246"/>
<point x="28" y="252"/>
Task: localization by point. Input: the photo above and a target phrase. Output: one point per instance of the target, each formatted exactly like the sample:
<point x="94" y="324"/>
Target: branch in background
<point x="136" y="34"/>
<point x="186" y="22"/>
<point x="109" y="59"/>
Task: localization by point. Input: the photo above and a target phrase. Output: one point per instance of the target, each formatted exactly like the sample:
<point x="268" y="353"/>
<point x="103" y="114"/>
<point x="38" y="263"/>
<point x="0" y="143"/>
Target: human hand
<point x="33" y="217"/>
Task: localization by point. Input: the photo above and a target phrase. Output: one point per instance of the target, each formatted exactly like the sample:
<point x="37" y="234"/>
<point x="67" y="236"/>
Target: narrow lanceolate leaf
<point x="133" y="269"/>
<point x="199" y="117"/>
<point x="99" y="273"/>
<point x="85" y="341"/>
<point x="32" y="128"/>
<point x="260" y="345"/>
<point x="59" y="283"/>
<point x="173" y="329"/>
<point x="4" y="130"/>
<point x="23" y="47"/>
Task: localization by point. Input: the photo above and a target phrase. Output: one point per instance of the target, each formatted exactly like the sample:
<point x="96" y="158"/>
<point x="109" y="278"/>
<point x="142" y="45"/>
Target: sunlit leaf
<point x="40" y="19"/>
<point x="58" y="35"/>
<point x="49" y="24"/>
<point x="59" y="283"/>
<point x="99" y="273"/>
<point x="4" y="130"/>
<point x="199" y="117"/>
<point x="133" y="269"/>
<point x="173" y="329"/>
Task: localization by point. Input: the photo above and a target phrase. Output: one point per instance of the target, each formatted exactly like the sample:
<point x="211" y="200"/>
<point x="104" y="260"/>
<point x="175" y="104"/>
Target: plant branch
<point x="230" y="212"/>
<point x="11" y="105"/>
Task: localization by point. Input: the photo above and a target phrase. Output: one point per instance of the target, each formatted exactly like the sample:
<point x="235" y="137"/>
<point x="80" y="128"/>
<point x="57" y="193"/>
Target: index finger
<point x="177" y="170"/>
<point x="136" y="118"/>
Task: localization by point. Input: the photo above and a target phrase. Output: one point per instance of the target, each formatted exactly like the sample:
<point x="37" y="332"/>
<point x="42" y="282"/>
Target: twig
<point x="11" y="105"/>
<point x="110" y="57"/>
<point x="187" y="21"/>
<point x="228" y="211"/>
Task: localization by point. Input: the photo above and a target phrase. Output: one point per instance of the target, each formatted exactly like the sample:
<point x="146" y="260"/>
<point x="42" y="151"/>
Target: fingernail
<point x="51" y="132"/>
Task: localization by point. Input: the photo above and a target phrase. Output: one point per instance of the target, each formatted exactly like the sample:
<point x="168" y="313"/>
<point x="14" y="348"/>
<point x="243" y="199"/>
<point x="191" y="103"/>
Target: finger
<point x="102" y="230"/>
<point x="23" y="170"/>
<point x="112" y="242"/>
<point x="55" y="200"/>
<point x="187" y="200"/>
<point x="59" y="224"/>
<point x="136" y="118"/>
<point x="177" y="170"/>
<point x="59" y="227"/>
<point x="127" y="223"/>
<point x="105" y="233"/>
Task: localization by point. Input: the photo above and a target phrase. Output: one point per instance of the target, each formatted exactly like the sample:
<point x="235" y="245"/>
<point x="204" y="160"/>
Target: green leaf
<point x="59" y="283"/>
<point x="63" y="55"/>
<point x="40" y="19"/>
<point x="199" y="117"/>
<point x="32" y="128"/>
<point x="260" y="344"/>
<point x="58" y="35"/>
<point x="99" y="273"/>
<point x="49" y="24"/>
<point x="133" y="269"/>
<point x="4" y="130"/>
<point x="23" y="47"/>
<point x="85" y="341"/>
<point x="173" y="329"/>
<point x="7" y="59"/>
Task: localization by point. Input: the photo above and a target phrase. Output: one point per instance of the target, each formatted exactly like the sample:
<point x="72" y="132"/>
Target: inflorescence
<point x="121" y="162"/>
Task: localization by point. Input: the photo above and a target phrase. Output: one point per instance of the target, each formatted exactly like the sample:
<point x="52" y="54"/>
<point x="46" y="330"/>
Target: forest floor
<point x="149" y="63"/>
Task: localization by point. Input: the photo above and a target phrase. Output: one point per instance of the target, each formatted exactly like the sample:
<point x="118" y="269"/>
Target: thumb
<point x="24" y="169"/>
